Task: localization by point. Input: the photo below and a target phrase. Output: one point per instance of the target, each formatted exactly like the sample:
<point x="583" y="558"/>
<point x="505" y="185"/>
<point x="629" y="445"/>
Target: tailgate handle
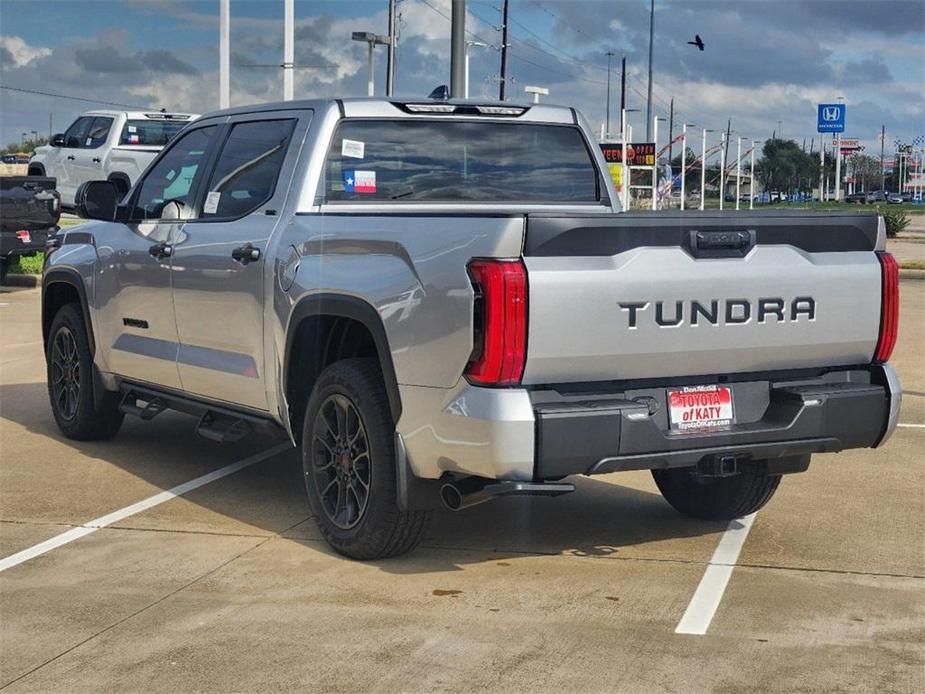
<point x="721" y="244"/>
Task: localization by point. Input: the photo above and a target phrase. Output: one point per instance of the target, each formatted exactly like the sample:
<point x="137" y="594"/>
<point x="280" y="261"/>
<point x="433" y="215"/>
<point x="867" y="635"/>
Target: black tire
<point x="4" y="268"/>
<point x="365" y="522"/>
<point x="715" y="498"/>
<point x="69" y="366"/>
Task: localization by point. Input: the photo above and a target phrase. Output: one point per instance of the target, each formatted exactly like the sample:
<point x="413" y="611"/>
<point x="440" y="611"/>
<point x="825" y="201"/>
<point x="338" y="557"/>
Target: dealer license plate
<point x="700" y="407"/>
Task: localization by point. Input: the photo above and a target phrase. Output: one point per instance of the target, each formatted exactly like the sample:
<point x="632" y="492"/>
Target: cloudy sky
<point x="765" y="61"/>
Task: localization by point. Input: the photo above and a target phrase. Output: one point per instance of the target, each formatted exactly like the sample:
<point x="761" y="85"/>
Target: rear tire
<point x="69" y="366"/>
<point x="715" y="498"/>
<point x="4" y="268"/>
<point x="348" y="461"/>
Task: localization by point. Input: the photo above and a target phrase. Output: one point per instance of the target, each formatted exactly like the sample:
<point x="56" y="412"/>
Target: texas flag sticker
<point x="359" y="181"/>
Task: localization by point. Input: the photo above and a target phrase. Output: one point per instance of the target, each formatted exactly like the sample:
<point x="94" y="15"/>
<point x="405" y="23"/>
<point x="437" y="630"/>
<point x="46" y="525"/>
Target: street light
<point x="722" y="169"/>
<point x="751" y="178"/>
<point x="610" y="55"/>
<point x="683" y="160"/>
<point x="626" y="170"/>
<point x="655" y="163"/>
<point x="703" y="166"/>
<point x="372" y="40"/>
<point x="536" y="91"/>
<point x="480" y="44"/>
<point x="738" y="169"/>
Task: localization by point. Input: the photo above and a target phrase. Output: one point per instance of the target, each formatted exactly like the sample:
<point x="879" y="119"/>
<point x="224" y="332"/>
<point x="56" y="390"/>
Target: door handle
<point x="71" y="157"/>
<point x="161" y="250"/>
<point x="246" y="254"/>
<point x="97" y="160"/>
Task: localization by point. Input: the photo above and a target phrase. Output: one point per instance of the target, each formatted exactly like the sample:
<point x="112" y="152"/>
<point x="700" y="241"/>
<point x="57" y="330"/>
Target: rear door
<point x="640" y="296"/>
<point x="220" y="258"/>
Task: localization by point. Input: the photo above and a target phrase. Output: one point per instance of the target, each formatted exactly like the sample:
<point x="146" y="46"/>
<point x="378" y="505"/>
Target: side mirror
<point x="97" y="200"/>
<point x="57" y="140"/>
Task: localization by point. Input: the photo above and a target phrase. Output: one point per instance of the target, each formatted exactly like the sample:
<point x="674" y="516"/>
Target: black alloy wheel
<point x="341" y="458"/>
<point x="65" y="372"/>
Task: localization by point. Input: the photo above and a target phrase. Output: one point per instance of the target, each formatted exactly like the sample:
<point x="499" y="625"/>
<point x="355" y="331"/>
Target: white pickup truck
<point x="111" y="145"/>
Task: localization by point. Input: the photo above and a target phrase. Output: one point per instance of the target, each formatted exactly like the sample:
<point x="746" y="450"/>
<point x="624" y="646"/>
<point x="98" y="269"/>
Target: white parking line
<point x="912" y="426"/>
<point x="143" y="505"/>
<point x="709" y="593"/>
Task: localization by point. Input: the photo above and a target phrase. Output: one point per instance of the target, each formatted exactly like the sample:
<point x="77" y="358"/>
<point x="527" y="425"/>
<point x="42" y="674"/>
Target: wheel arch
<point x="61" y="286"/>
<point x="317" y="321"/>
<point x="35" y="170"/>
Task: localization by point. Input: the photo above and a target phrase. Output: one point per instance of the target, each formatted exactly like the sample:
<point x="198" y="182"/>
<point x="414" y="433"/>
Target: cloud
<point x="15" y="51"/>
<point x="111" y="60"/>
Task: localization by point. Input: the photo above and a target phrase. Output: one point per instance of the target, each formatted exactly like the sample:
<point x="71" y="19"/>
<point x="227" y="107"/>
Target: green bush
<point x="896" y="220"/>
<point x="28" y="265"/>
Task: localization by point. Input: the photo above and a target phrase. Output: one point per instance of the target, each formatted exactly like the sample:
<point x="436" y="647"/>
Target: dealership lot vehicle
<point x="29" y="212"/>
<point x="228" y="586"/>
<point x="386" y="266"/>
<point x="111" y="145"/>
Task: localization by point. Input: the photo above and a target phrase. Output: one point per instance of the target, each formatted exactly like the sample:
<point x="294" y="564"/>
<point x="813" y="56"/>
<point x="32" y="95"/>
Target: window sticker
<point x="359" y="181"/>
<point x="353" y="149"/>
<point x="212" y="200"/>
<point x="132" y="129"/>
<point x="133" y="139"/>
<point x="89" y="141"/>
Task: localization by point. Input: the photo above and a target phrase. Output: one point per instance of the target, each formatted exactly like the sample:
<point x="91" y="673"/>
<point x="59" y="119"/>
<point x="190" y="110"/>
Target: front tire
<point x="69" y="366"/>
<point x="348" y="461"/>
<point x="715" y="498"/>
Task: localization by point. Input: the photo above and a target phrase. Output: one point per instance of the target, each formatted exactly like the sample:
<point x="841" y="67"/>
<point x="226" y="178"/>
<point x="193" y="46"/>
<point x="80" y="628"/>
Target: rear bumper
<point x="777" y="420"/>
<point x="11" y="245"/>
<point x="516" y="434"/>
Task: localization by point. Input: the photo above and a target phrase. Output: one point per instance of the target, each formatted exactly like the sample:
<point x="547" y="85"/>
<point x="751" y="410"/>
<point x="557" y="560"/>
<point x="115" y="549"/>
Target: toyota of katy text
<point x="111" y="145"/>
<point x="438" y="302"/>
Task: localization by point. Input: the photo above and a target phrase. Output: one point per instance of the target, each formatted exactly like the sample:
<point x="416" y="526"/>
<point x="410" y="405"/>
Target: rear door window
<point x="460" y="161"/>
<point x="247" y="168"/>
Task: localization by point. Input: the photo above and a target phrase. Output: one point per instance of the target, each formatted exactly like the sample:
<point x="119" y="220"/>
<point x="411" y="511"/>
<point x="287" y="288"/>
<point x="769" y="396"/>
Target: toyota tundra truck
<point x="440" y="302"/>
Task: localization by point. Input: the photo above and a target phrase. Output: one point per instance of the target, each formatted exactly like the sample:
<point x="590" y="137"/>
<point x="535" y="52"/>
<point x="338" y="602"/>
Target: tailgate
<point x="28" y="202"/>
<point x="651" y="295"/>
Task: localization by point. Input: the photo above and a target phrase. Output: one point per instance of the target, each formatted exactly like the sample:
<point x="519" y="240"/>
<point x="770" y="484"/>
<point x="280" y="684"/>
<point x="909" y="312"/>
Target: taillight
<point x="889" y="306"/>
<point x="500" y="322"/>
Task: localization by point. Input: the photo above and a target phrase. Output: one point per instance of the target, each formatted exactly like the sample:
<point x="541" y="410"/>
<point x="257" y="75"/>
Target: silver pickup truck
<point x="438" y="302"/>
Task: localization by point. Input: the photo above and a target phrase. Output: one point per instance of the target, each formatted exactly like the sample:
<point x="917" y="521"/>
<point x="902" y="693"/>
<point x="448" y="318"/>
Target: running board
<point x="216" y="423"/>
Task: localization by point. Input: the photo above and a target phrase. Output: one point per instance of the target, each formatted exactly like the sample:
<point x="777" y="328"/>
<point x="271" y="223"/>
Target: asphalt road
<point x="228" y="587"/>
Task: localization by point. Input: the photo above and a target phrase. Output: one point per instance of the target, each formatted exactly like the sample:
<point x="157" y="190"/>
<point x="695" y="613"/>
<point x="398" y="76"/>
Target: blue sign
<point x="831" y="118"/>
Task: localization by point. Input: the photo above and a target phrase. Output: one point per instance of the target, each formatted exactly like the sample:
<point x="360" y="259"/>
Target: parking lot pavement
<point x="229" y="588"/>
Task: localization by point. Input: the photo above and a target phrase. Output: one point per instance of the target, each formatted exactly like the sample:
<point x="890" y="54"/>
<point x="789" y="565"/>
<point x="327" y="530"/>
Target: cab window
<point x="98" y="132"/>
<point x="247" y="168"/>
<point x="176" y="175"/>
<point x="76" y="135"/>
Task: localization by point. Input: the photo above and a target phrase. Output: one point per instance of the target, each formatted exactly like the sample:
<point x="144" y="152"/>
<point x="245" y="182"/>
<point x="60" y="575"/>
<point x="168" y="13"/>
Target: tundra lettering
<point x="736" y="311"/>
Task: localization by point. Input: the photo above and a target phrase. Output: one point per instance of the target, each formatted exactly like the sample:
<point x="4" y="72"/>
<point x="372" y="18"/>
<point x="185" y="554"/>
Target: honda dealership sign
<point x="831" y="118"/>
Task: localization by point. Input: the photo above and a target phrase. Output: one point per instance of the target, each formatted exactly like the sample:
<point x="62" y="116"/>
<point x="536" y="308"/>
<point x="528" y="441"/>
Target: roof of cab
<point x="372" y="107"/>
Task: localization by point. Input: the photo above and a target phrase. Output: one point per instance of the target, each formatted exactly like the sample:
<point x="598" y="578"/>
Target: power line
<point x="72" y="98"/>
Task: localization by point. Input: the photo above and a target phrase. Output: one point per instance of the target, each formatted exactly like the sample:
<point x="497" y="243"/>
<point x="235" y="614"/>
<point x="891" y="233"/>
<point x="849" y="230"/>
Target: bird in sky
<point x="697" y="41"/>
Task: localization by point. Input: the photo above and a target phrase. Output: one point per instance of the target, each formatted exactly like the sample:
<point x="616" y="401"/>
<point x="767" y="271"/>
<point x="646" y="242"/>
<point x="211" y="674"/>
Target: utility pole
<point x="224" y="54"/>
<point x="722" y="169"/>
<point x="610" y="55"/>
<point x="726" y="146"/>
<point x="458" y="49"/>
<point x="670" y="129"/>
<point x="390" y="59"/>
<point x="504" y="48"/>
<point x="288" y="49"/>
<point x="821" y="170"/>
<point x="738" y="170"/>
<point x="649" y="89"/>
<point x="882" y="174"/>
<point x="623" y="84"/>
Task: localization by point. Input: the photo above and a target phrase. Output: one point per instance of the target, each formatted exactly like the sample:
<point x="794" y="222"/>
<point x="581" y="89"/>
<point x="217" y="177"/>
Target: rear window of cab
<point x="413" y="160"/>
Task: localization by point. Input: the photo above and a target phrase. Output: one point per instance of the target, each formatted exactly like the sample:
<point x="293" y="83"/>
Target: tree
<point x="866" y="172"/>
<point x="784" y="166"/>
<point x="19" y="146"/>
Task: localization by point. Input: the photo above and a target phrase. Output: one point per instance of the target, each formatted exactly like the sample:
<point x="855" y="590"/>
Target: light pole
<point x="683" y="162"/>
<point x="537" y="92"/>
<point x="655" y="162"/>
<point x="224" y="53"/>
<point x="703" y="166"/>
<point x="624" y="145"/>
<point x="751" y="178"/>
<point x="840" y="100"/>
<point x="288" y="49"/>
<point x="738" y="169"/>
<point x="372" y="40"/>
<point x="480" y="44"/>
<point x="610" y="55"/>
<point x="722" y="169"/>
